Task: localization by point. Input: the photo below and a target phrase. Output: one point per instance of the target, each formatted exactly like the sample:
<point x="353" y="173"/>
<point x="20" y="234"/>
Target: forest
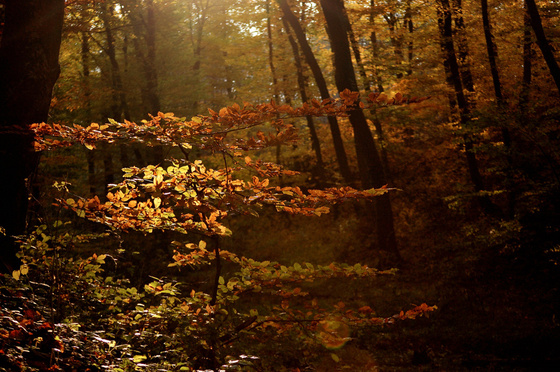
<point x="279" y="185"/>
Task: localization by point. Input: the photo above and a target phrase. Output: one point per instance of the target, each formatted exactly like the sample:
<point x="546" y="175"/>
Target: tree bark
<point x="542" y="42"/>
<point x="409" y="26"/>
<point x="90" y="154"/>
<point x="369" y="162"/>
<point x="315" y="142"/>
<point x="463" y="53"/>
<point x="341" y="157"/>
<point x="527" y="62"/>
<point x="270" y="46"/>
<point x="28" y="71"/>
<point x="144" y="28"/>
<point x="492" y="51"/>
<point x="454" y="79"/>
<point x="119" y="107"/>
<point x="374" y="48"/>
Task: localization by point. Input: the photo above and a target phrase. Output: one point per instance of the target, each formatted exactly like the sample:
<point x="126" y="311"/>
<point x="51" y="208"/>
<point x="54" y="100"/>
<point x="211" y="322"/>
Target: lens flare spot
<point x="333" y="333"/>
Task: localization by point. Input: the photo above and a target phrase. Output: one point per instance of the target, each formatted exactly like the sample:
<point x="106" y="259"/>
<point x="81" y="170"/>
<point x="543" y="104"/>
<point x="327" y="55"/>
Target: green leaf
<point x="335" y="357"/>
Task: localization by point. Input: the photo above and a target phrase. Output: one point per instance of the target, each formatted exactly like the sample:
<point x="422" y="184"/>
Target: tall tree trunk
<point x="527" y="61"/>
<point x="374" y="48"/>
<point x="90" y="154"/>
<point x="396" y="42"/>
<point x="542" y="42"/>
<point x="271" y="54"/>
<point x="453" y="78"/>
<point x="315" y="142"/>
<point x="197" y="45"/>
<point x="28" y="71"/>
<point x="463" y="54"/>
<point x="367" y="89"/>
<point x="341" y="157"/>
<point x="119" y="107"/>
<point x="493" y="62"/>
<point x="357" y="54"/>
<point x="369" y="163"/>
<point x="409" y="26"/>
<point x="144" y="28"/>
<point x="492" y="51"/>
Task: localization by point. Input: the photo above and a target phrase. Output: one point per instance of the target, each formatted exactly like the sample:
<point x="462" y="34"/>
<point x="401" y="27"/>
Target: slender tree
<point x="302" y="85"/>
<point x="527" y="61"/>
<point x="464" y="110"/>
<point x="374" y="47"/>
<point x="463" y="52"/>
<point x="542" y="41"/>
<point x="492" y="51"/>
<point x="143" y="21"/>
<point x="341" y="157"/>
<point x="29" y="68"/>
<point x="369" y="162"/>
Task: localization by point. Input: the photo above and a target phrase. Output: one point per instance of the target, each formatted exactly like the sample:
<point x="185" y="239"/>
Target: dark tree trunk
<point x="119" y="107"/>
<point x="542" y="42"/>
<point x="527" y="62"/>
<point x="357" y="54"/>
<point x="144" y="28"/>
<point x="271" y="54"/>
<point x="90" y="155"/>
<point x="369" y="163"/>
<point x="374" y="48"/>
<point x="493" y="61"/>
<point x="492" y="51"/>
<point x="315" y="143"/>
<point x="197" y="46"/>
<point x="454" y="79"/>
<point x="28" y="71"/>
<point x="409" y="25"/>
<point x="463" y="54"/>
<point x="396" y="41"/>
<point x="341" y="157"/>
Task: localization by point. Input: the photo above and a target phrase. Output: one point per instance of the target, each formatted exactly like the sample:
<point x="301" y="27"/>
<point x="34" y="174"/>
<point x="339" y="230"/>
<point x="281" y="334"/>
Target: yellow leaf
<point x="24" y="269"/>
<point x="157" y="202"/>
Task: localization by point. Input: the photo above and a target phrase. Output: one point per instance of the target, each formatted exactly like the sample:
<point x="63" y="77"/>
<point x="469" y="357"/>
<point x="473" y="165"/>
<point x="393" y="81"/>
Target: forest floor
<point x="496" y="311"/>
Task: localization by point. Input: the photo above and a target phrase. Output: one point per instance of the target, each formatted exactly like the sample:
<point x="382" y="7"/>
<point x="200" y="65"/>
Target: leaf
<point x="16" y="274"/>
<point x="139" y="358"/>
<point x="157" y="202"/>
<point x="335" y="357"/>
<point x="24" y="269"/>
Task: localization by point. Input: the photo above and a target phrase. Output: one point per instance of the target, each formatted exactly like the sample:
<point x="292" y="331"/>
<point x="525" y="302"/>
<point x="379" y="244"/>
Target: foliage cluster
<point x="167" y="323"/>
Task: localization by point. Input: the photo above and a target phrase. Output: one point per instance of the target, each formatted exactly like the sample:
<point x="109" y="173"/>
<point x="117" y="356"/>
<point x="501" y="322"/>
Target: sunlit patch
<point x="332" y="333"/>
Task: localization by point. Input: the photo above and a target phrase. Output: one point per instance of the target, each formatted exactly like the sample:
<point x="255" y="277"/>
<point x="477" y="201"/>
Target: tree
<point x="542" y="41"/>
<point x="369" y="162"/>
<point x="321" y="85"/>
<point x="29" y="67"/>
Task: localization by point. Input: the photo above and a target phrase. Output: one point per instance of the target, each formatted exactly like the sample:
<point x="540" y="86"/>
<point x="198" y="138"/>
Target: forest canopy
<point x="279" y="185"/>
